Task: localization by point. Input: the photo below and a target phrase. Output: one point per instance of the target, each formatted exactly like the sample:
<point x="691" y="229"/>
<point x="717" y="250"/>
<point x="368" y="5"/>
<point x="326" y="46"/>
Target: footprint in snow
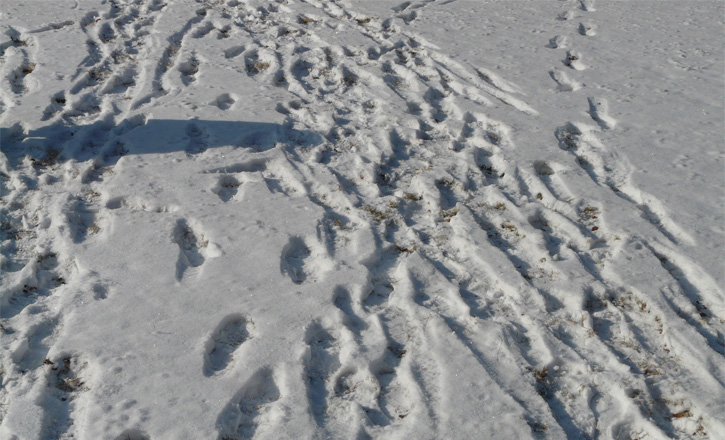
<point x="563" y="82"/>
<point x="558" y="42"/>
<point x="231" y="333"/>
<point x="252" y="408"/>
<point x="573" y="60"/>
<point x="227" y="187"/>
<point x="57" y="104"/>
<point x="225" y="101"/>
<point x="599" y="111"/>
<point x="189" y="69"/>
<point x="133" y="434"/>
<point x="67" y="381"/>
<point x="323" y="361"/>
<point x="587" y="5"/>
<point x="197" y="139"/>
<point x="194" y="248"/>
<point x="587" y="29"/>
<point x="293" y="259"/>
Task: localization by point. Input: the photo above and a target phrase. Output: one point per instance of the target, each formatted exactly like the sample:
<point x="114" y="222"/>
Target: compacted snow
<point x="301" y="219"/>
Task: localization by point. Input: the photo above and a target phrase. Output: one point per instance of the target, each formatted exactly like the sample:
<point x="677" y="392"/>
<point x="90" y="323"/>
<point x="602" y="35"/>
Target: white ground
<point x="337" y="219"/>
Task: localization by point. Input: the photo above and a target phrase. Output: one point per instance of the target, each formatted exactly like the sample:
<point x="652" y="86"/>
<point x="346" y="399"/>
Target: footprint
<point x="394" y="400"/>
<point x="435" y="98"/>
<point x="568" y="136"/>
<point x="67" y="376"/>
<point x="546" y="171"/>
<point x="82" y="220"/>
<point x="227" y="187"/>
<point x="564" y="83"/>
<point x="322" y="363"/>
<point x="224" y="32"/>
<point x="558" y="42"/>
<point x="89" y="20"/>
<point x="17" y="77"/>
<point x="233" y="331"/>
<point x="225" y="101"/>
<point x="402" y="7"/>
<point x="567" y="15"/>
<point x="84" y="110"/>
<point x="587" y="29"/>
<point x="133" y="434"/>
<point x="599" y="109"/>
<point x="408" y="17"/>
<point x="587" y="5"/>
<point x="258" y="61"/>
<point x="100" y="291"/>
<point x="67" y="380"/>
<point x="344" y="303"/>
<point x="252" y="408"/>
<point x="293" y="259"/>
<point x="48" y="275"/>
<point x="573" y="60"/>
<point x="57" y="103"/>
<point x="120" y="82"/>
<point x="189" y="69"/>
<point x="36" y="346"/>
<point x="197" y="139"/>
<point x="203" y="31"/>
<point x="190" y="248"/>
<point x="106" y="33"/>
<point x="16" y="40"/>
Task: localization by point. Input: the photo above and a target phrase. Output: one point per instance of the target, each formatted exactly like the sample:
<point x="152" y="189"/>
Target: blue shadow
<point x="107" y="142"/>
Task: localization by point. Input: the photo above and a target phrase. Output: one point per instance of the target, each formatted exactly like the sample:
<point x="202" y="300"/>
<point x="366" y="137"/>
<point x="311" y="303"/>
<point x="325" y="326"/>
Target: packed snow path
<point x="305" y="219"/>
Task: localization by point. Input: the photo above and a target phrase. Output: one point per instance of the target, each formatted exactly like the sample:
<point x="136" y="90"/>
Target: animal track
<point x="233" y="331"/>
<point x="252" y="409"/>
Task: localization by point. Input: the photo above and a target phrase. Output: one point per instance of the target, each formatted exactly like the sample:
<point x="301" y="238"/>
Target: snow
<point x="334" y="219"/>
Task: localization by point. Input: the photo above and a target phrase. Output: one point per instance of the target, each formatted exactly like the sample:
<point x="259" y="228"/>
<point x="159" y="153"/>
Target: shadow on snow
<point x="106" y="142"/>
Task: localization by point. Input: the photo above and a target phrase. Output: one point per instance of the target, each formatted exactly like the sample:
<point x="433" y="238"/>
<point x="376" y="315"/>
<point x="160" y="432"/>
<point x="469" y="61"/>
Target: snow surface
<point x="335" y="219"/>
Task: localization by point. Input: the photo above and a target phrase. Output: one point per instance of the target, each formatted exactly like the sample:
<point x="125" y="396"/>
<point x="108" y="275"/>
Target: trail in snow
<point x="434" y="286"/>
